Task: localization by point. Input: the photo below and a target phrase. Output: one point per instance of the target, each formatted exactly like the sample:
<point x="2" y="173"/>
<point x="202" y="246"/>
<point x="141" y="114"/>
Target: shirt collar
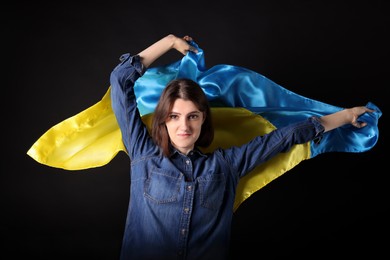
<point x="195" y="151"/>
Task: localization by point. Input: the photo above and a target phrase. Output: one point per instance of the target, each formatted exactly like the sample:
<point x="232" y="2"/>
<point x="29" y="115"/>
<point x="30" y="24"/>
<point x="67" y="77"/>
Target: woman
<point x="181" y="200"/>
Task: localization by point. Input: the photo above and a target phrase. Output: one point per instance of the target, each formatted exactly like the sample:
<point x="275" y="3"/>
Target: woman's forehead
<point x="182" y="106"/>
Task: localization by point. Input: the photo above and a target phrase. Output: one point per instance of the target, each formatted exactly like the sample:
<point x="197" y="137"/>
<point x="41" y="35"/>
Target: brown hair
<point x="188" y="90"/>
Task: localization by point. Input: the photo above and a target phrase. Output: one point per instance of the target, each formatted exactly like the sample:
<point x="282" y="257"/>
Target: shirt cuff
<point x="319" y="129"/>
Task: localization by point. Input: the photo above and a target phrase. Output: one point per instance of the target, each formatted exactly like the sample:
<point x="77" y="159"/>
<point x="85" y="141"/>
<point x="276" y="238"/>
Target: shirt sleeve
<point x="262" y="148"/>
<point x="124" y="105"/>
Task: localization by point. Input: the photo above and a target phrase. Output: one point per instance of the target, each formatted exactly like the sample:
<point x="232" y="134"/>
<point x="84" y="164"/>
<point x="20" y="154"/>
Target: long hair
<point x="188" y="90"/>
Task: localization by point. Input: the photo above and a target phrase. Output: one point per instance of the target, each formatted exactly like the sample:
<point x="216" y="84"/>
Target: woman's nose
<point x="184" y="124"/>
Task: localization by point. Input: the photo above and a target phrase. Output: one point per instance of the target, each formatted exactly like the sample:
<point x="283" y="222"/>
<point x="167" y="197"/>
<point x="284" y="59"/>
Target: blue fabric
<point x="234" y="86"/>
<point x="182" y="207"/>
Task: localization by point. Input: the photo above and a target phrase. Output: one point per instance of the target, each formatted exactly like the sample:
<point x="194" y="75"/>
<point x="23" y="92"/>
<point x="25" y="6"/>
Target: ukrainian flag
<point x="244" y="104"/>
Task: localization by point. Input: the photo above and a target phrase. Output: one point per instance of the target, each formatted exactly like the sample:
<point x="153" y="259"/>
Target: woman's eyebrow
<point x="192" y="112"/>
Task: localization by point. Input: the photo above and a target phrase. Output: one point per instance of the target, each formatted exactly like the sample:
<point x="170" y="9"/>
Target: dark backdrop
<point x="60" y="54"/>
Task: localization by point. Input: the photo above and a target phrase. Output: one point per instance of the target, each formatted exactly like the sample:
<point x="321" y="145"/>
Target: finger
<point x="362" y="124"/>
<point x="193" y="49"/>
<point x="359" y="124"/>
<point x="187" y="38"/>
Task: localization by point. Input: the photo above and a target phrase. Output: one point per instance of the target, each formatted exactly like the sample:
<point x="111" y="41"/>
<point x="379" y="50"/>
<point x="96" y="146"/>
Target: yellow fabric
<point x="235" y="126"/>
<point x="89" y="139"/>
<point x="92" y="138"/>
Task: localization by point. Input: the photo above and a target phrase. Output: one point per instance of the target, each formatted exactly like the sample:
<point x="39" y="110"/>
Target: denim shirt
<point x="181" y="207"/>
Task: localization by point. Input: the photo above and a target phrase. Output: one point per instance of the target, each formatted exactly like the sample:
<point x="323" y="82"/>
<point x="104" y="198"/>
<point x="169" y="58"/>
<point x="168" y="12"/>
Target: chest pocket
<point x="161" y="187"/>
<point x="212" y="190"/>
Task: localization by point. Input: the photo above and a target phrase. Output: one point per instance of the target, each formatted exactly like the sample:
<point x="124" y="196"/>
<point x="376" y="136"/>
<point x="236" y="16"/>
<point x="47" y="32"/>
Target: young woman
<point x="181" y="200"/>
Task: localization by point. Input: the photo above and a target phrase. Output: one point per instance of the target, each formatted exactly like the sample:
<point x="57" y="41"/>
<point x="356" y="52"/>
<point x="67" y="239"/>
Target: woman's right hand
<point x="183" y="45"/>
<point x="154" y="51"/>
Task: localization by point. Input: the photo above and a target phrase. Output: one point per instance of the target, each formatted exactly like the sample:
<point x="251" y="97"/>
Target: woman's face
<point x="184" y="125"/>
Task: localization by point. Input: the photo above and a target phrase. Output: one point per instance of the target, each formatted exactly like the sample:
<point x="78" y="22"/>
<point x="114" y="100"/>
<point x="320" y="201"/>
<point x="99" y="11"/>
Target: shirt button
<point x="183" y="231"/>
<point x="189" y="187"/>
<point x="188" y="162"/>
<point x="186" y="210"/>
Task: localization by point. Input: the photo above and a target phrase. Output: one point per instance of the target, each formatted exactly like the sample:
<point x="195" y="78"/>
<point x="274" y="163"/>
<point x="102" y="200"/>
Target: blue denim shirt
<point x="181" y="207"/>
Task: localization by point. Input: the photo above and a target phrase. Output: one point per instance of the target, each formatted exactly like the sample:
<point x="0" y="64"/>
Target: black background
<point x="60" y="54"/>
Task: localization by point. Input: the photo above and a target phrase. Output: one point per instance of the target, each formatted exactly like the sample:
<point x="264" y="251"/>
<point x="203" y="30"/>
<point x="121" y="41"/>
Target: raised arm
<point x="343" y="117"/>
<point x="154" y="51"/>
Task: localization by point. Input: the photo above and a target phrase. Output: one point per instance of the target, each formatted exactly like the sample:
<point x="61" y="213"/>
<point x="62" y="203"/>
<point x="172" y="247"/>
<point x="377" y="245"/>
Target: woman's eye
<point x="173" y="116"/>
<point x="193" y="117"/>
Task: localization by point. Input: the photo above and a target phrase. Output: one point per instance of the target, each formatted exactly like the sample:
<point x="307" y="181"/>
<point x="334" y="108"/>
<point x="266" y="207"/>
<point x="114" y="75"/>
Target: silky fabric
<point x="234" y="86"/>
<point x="243" y="101"/>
